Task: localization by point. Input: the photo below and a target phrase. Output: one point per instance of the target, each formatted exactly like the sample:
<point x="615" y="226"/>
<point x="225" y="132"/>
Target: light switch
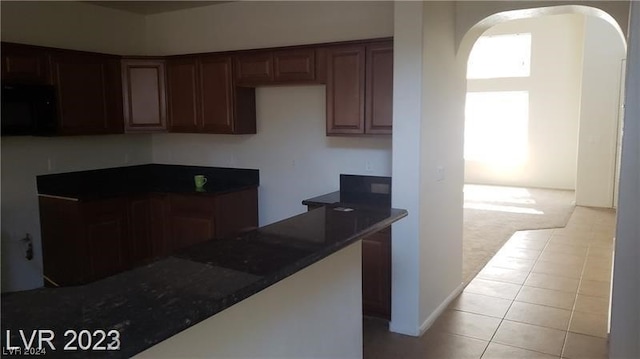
<point x="439" y="173"/>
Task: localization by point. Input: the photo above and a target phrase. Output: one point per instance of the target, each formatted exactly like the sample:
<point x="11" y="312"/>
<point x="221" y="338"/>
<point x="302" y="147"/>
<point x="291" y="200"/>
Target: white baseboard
<point x="441" y="308"/>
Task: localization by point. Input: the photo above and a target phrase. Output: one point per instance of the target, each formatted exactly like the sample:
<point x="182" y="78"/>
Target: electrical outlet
<point x="231" y="161"/>
<point x="368" y="167"/>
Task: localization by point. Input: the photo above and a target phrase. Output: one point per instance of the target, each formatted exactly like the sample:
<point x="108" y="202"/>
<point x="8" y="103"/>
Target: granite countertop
<point x="149" y="304"/>
<point x="357" y="190"/>
<point x="349" y="199"/>
<point x="142" y="179"/>
<point x="323" y="200"/>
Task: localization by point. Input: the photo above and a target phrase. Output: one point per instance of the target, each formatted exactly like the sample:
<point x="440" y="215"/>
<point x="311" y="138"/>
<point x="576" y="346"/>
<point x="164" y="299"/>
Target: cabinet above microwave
<point x="28" y="110"/>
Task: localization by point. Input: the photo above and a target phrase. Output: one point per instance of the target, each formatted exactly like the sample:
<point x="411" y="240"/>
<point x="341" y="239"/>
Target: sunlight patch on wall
<point x="497" y="127"/>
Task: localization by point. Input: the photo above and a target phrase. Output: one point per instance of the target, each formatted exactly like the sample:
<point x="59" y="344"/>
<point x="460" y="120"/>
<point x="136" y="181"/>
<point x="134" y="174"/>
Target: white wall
<point x="407" y="115"/>
<point x="71" y="25"/>
<point x="603" y="54"/>
<point x="295" y="158"/>
<point x="315" y="313"/>
<point x="23" y="158"/>
<point x="429" y="88"/>
<point x="625" y="312"/>
<point x="255" y="24"/>
<point x="554" y="105"/>
<point x="441" y="148"/>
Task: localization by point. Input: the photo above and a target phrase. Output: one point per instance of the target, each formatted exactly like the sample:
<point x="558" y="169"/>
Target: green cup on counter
<point x="200" y="180"/>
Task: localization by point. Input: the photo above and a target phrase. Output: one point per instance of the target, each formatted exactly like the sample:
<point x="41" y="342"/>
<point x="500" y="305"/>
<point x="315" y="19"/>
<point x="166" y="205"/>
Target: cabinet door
<point x="217" y="94"/>
<point x="379" y="89"/>
<point x="159" y="225"/>
<point x="143" y="89"/>
<point x="24" y="64"/>
<point x="140" y="241"/>
<point x="254" y="68"/>
<point x="294" y="65"/>
<point x="191" y="220"/>
<point x="89" y="93"/>
<point x="84" y="94"/>
<point x="65" y="253"/>
<point x="183" y="99"/>
<point x="376" y="275"/>
<point x="345" y="90"/>
<point x="106" y="235"/>
<point x="236" y="212"/>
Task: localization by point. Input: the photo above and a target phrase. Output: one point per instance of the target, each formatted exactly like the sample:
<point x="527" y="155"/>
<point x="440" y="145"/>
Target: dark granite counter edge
<point x="81" y="198"/>
<point x="273" y="278"/>
<point x="144" y="179"/>
<point x="323" y="200"/>
<point x="336" y="199"/>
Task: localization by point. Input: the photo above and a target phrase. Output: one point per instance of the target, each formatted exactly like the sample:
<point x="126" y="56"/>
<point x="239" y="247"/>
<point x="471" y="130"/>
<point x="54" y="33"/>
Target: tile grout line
<point x="514" y="298"/>
<point x="575" y="300"/>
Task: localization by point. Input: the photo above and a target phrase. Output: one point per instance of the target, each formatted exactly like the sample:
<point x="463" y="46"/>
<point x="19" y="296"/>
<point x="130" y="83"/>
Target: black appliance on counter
<point x="28" y="110"/>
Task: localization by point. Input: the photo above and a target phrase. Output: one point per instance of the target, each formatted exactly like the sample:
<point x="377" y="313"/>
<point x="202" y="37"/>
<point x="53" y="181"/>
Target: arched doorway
<point x="599" y="105"/>
<point x="541" y="112"/>
<point x="429" y="87"/>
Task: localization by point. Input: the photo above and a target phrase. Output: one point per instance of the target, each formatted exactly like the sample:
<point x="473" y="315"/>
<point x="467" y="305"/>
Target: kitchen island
<point x="276" y="277"/>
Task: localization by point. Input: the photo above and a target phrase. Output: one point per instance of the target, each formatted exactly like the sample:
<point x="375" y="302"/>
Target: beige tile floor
<point x="544" y="295"/>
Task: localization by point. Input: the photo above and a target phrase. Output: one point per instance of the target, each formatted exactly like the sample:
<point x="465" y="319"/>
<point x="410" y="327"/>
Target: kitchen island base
<point x="315" y="313"/>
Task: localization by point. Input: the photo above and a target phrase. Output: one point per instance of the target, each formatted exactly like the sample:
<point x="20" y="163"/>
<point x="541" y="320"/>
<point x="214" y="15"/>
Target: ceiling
<point x="153" y="7"/>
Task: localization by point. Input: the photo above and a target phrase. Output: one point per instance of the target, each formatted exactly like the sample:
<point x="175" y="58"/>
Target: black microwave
<point x="28" y="110"/>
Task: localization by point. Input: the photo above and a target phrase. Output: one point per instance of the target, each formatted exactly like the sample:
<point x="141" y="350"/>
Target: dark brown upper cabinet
<point x="254" y="68"/>
<point x="294" y="65"/>
<point x="25" y="64"/>
<point x="207" y="93"/>
<point x="88" y="85"/>
<point x="379" y="89"/>
<point x="276" y="67"/>
<point x="360" y="89"/>
<point x="144" y="99"/>
<point x="89" y="93"/>
<point x="345" y="89"/>
<point x="183" y="94"/>
<point x="217" y="94"/>
<point x="203" y="97"/>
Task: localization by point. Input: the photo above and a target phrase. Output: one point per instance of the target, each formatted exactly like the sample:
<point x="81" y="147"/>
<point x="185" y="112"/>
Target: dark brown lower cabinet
<point x="159" y="226"/>
<point x="140" y="213"/>
<point x="87" y="240"/>
<point x="64" y="245"/>
<point x="376" y="275"/>
<point x="236" y="212"/>
<point x="82" y="241"/>
<point x="105" y="226"/>
<point x="191" y="219"/>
